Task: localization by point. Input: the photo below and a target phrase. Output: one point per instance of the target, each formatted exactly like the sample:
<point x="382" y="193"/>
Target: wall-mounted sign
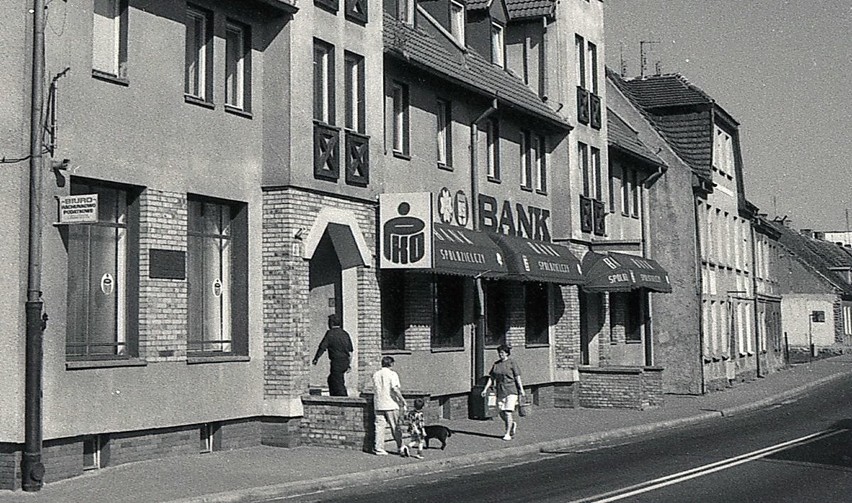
<point x="82" y="208"/>
<point x="217" y="288"/>
<point x="405" y="222"/>
<point x="445" y="206"/>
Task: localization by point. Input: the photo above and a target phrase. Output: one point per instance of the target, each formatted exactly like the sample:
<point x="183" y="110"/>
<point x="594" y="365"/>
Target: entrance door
<point x="325" y="298"/>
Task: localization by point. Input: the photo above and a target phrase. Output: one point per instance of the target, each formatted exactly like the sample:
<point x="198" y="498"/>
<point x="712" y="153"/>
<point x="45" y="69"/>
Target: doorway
<point x="325" y="298"/>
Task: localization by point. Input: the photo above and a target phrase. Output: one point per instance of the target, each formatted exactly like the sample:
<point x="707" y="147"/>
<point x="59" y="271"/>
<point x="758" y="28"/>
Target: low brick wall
<point x="621" y="387"/>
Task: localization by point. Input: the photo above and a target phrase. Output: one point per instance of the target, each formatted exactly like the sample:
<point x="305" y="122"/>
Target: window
<point x="580" y="46"/>
<point x="634" y="316"/>
<point x="95" y="452"/>
<point x="541" y="165"/>
<point x="237" y="66"/>
<point x="400" y="118"/>
<point x="457" y="22"/>
<point x="526" y="160"/>
<point x="497" y="295"/>
<point x="492" y="157"/>
<point x="498" y="48"/>
<point x="635" y="193"/>
<point x="583" y="158"/>
<point x="593" y="68"/>
<point x="109" y="38"/>
<point x="537" y="309"/>
<point x="323" y="82"/>
<point x="448" y="328"/>
<point x="102" y="276"/>
<point x="199" y="54"/>
<point x="209" y="437"/>
<point x="612" y="178"/>
<point x="354" y="66"/>
<point x="216" y="277"/>
<point x="598" y="176"/>
<point x="444" y="132"/>
<point x="393" y="288"/>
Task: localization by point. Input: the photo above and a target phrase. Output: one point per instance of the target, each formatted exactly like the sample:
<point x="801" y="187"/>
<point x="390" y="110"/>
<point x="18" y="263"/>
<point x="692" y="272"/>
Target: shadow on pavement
<point x="834" y="450"/>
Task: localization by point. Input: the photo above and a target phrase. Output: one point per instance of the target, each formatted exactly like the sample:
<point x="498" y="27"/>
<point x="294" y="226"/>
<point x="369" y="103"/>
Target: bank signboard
<point x="405" y="222"/>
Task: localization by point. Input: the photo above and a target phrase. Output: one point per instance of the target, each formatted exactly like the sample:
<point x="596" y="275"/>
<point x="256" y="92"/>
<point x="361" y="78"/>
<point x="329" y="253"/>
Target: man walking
<point x="339" y="346"/>
<point x="386" y="403"/>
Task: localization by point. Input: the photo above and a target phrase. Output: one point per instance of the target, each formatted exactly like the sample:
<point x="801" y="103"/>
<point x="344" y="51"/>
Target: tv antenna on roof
<point x="643" y="59"/>
<point x="623" y="68"/>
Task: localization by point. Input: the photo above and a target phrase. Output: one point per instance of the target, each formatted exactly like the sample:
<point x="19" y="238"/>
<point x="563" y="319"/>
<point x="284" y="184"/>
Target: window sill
<point x="526" y="189"/>
<point x="536" y="345"/>
<point x="493" y="179"/>
<point x="396" y="352"/>
<point x="103" y="364"/>
<point x="108" y="77"/>
<point x="446" y="167"/>
<point x="447" y="350"/>
<point x="401" y="155"/>
<point x="541" y="192"/>
<point x="238" y="112"/>
<point x="195" y="100"/>
<point x="193" y="360"/>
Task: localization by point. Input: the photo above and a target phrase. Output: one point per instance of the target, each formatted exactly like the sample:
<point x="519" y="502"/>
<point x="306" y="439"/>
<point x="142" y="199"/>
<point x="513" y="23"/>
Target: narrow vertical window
<point x="457" y="22"/>
<point x="498" y="48"/>
<point x="597" y="179"/>
<point x="198" y="75"/>
<point x="100" y="265"/>
<point x="215" y="249"/>
<point x="109" y="37"/>
<point x="526" y="160"/>
<point x="636" y="193"/>
<point x="541" y="165"/>
<point x="448" y="295"/>
<point x="444" y="138"/>
<point x="355" y="108"/>
<point x="612" y="178"/>
<point x="593" y="68"/>
<point x="583" y="158"/>
<point x="323" y="82"/>
<point x="580" y="47"/>
<point x="626" y="184"/>
<point x="537" y="313"/>
<point x="237" y="66"/>
<point x="492" y="157"/>
<point x="400" y="118"/>
<point x="405" y="11"/>
<point x="393" y="287"/>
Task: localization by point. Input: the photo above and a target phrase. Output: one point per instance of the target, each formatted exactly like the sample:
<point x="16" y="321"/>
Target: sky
<point x="782" y="69"/>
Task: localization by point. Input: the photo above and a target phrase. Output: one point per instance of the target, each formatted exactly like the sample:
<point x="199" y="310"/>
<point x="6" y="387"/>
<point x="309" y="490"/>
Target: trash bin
<point x="481" y="407"/>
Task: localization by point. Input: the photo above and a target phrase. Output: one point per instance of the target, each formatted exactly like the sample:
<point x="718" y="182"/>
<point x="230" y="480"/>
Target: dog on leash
<point x="438" y="432"/>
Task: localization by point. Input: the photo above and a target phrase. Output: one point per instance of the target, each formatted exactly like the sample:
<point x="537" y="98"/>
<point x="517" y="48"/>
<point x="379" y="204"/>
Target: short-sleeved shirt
<point x="503" y="375"/>
<point x="384" y="381"/>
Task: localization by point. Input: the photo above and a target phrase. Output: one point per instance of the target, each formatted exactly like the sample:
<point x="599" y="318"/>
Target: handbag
<point x="523" y="408"/>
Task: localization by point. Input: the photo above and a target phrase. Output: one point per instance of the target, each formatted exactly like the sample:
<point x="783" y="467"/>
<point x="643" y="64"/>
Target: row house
<point x="152" y="345"/>
<point x="816" y="291"/>
<point x="768" y="257"/>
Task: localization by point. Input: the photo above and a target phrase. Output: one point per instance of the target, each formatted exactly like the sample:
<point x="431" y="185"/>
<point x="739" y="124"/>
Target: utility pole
<point x="32" y="469"/>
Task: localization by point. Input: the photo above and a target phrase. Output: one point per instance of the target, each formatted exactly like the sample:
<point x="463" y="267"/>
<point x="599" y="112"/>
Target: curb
<point x="550" y="446"/>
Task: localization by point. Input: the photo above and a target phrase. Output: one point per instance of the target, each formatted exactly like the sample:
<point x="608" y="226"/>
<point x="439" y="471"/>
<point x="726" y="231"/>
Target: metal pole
<point x="32" y="469"/>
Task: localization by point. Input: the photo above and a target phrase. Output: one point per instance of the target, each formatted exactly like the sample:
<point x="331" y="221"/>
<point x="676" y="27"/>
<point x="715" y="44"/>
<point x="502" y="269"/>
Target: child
<point x="416" y="428"/>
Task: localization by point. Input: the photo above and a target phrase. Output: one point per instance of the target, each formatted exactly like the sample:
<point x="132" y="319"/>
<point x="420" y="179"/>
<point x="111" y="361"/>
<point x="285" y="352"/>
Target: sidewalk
<point x="259" y="473"/>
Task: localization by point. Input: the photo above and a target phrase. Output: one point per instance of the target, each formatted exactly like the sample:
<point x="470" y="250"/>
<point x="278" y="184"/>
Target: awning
<point x="457" y="250"/>
<point x="344" y="244"/>
<point x="619" y="272"/>
<point x="530" y="260"/>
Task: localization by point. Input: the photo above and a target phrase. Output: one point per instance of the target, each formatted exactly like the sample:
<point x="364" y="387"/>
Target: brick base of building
<point x="621" y="387"/>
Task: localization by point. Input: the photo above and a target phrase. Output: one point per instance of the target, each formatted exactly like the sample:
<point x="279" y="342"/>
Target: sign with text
<point x="79" y="209"/>
<point x="405" y="223"/>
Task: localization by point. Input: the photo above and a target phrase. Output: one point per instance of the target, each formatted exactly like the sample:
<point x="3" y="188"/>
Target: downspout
<point x="700" y="293"/>
<point x="757" y="327"/>
<point x="479" y="308"/>
<point x="32" y="469"/>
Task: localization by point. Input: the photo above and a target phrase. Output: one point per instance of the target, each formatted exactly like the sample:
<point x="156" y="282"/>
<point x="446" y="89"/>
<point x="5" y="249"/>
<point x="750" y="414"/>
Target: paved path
<point x="266" y="472"/>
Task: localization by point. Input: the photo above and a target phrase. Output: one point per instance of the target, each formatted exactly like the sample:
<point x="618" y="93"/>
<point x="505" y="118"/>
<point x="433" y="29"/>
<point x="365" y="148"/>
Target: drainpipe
<point x="32" y="469"/>
<point x="700" y="293"/>
<point x="479" y="308"/>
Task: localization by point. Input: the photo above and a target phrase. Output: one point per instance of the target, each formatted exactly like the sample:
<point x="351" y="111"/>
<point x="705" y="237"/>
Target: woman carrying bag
<point x="505" y="375"/>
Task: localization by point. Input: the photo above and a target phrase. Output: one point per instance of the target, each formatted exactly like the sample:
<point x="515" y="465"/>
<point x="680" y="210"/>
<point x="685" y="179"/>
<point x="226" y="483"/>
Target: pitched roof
<point x="525" y="9"/>
<point x="689" y="132"/>
<point x="624" y="137"/>
<point x="467" y="69"/>
<point x="812" y="252"/>
<point x="478" y="4"/>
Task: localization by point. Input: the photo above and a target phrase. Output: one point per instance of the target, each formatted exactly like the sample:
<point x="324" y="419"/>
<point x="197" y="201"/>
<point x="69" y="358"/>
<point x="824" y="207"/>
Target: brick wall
<point x="130" y="447"/>
<point x="239" y="434"/>
<point x="620" y="387"/>
<point x="280" y="432"/>
<point x="418" y="312"/>
<point x="62" y="459"/>
<point x="285" y="290"/>
<point x="10" y="466"/>
<point x="343" y="422"/>
<point x="162" y="302"/>
<point x="566" y="331"/>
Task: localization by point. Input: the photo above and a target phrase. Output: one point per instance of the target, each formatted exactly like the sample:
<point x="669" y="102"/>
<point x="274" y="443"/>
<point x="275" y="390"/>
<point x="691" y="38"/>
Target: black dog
<point x="439" y="432"/>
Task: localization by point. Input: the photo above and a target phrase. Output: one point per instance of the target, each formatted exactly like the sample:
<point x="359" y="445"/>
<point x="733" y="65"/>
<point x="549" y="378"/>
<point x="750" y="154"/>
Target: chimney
<point x="807" y="232"/>
<point x="819" y="235"/>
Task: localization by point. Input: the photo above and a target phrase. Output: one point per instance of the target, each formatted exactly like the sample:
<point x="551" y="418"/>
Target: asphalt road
<point x="800" y="451"/>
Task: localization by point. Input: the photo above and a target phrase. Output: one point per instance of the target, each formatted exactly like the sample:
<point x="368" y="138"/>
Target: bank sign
<point x="405" y="221"/>
<point x="78" y="209"/>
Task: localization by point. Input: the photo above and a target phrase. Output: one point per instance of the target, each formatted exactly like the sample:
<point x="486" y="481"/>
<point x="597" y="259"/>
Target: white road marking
<point x="700" y="471"/>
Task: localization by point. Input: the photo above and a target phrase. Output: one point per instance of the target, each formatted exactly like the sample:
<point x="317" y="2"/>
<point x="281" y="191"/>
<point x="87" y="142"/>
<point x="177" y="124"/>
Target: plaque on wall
<point x="167" y="264"/>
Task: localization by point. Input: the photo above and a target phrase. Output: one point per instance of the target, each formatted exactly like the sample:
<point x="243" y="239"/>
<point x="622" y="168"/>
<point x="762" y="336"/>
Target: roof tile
<point x="621" y="135"/>
<point x="525" y="9"/>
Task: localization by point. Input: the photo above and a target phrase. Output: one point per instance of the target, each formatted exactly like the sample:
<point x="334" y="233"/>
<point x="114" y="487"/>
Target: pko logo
<point x="404" y="236"/>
